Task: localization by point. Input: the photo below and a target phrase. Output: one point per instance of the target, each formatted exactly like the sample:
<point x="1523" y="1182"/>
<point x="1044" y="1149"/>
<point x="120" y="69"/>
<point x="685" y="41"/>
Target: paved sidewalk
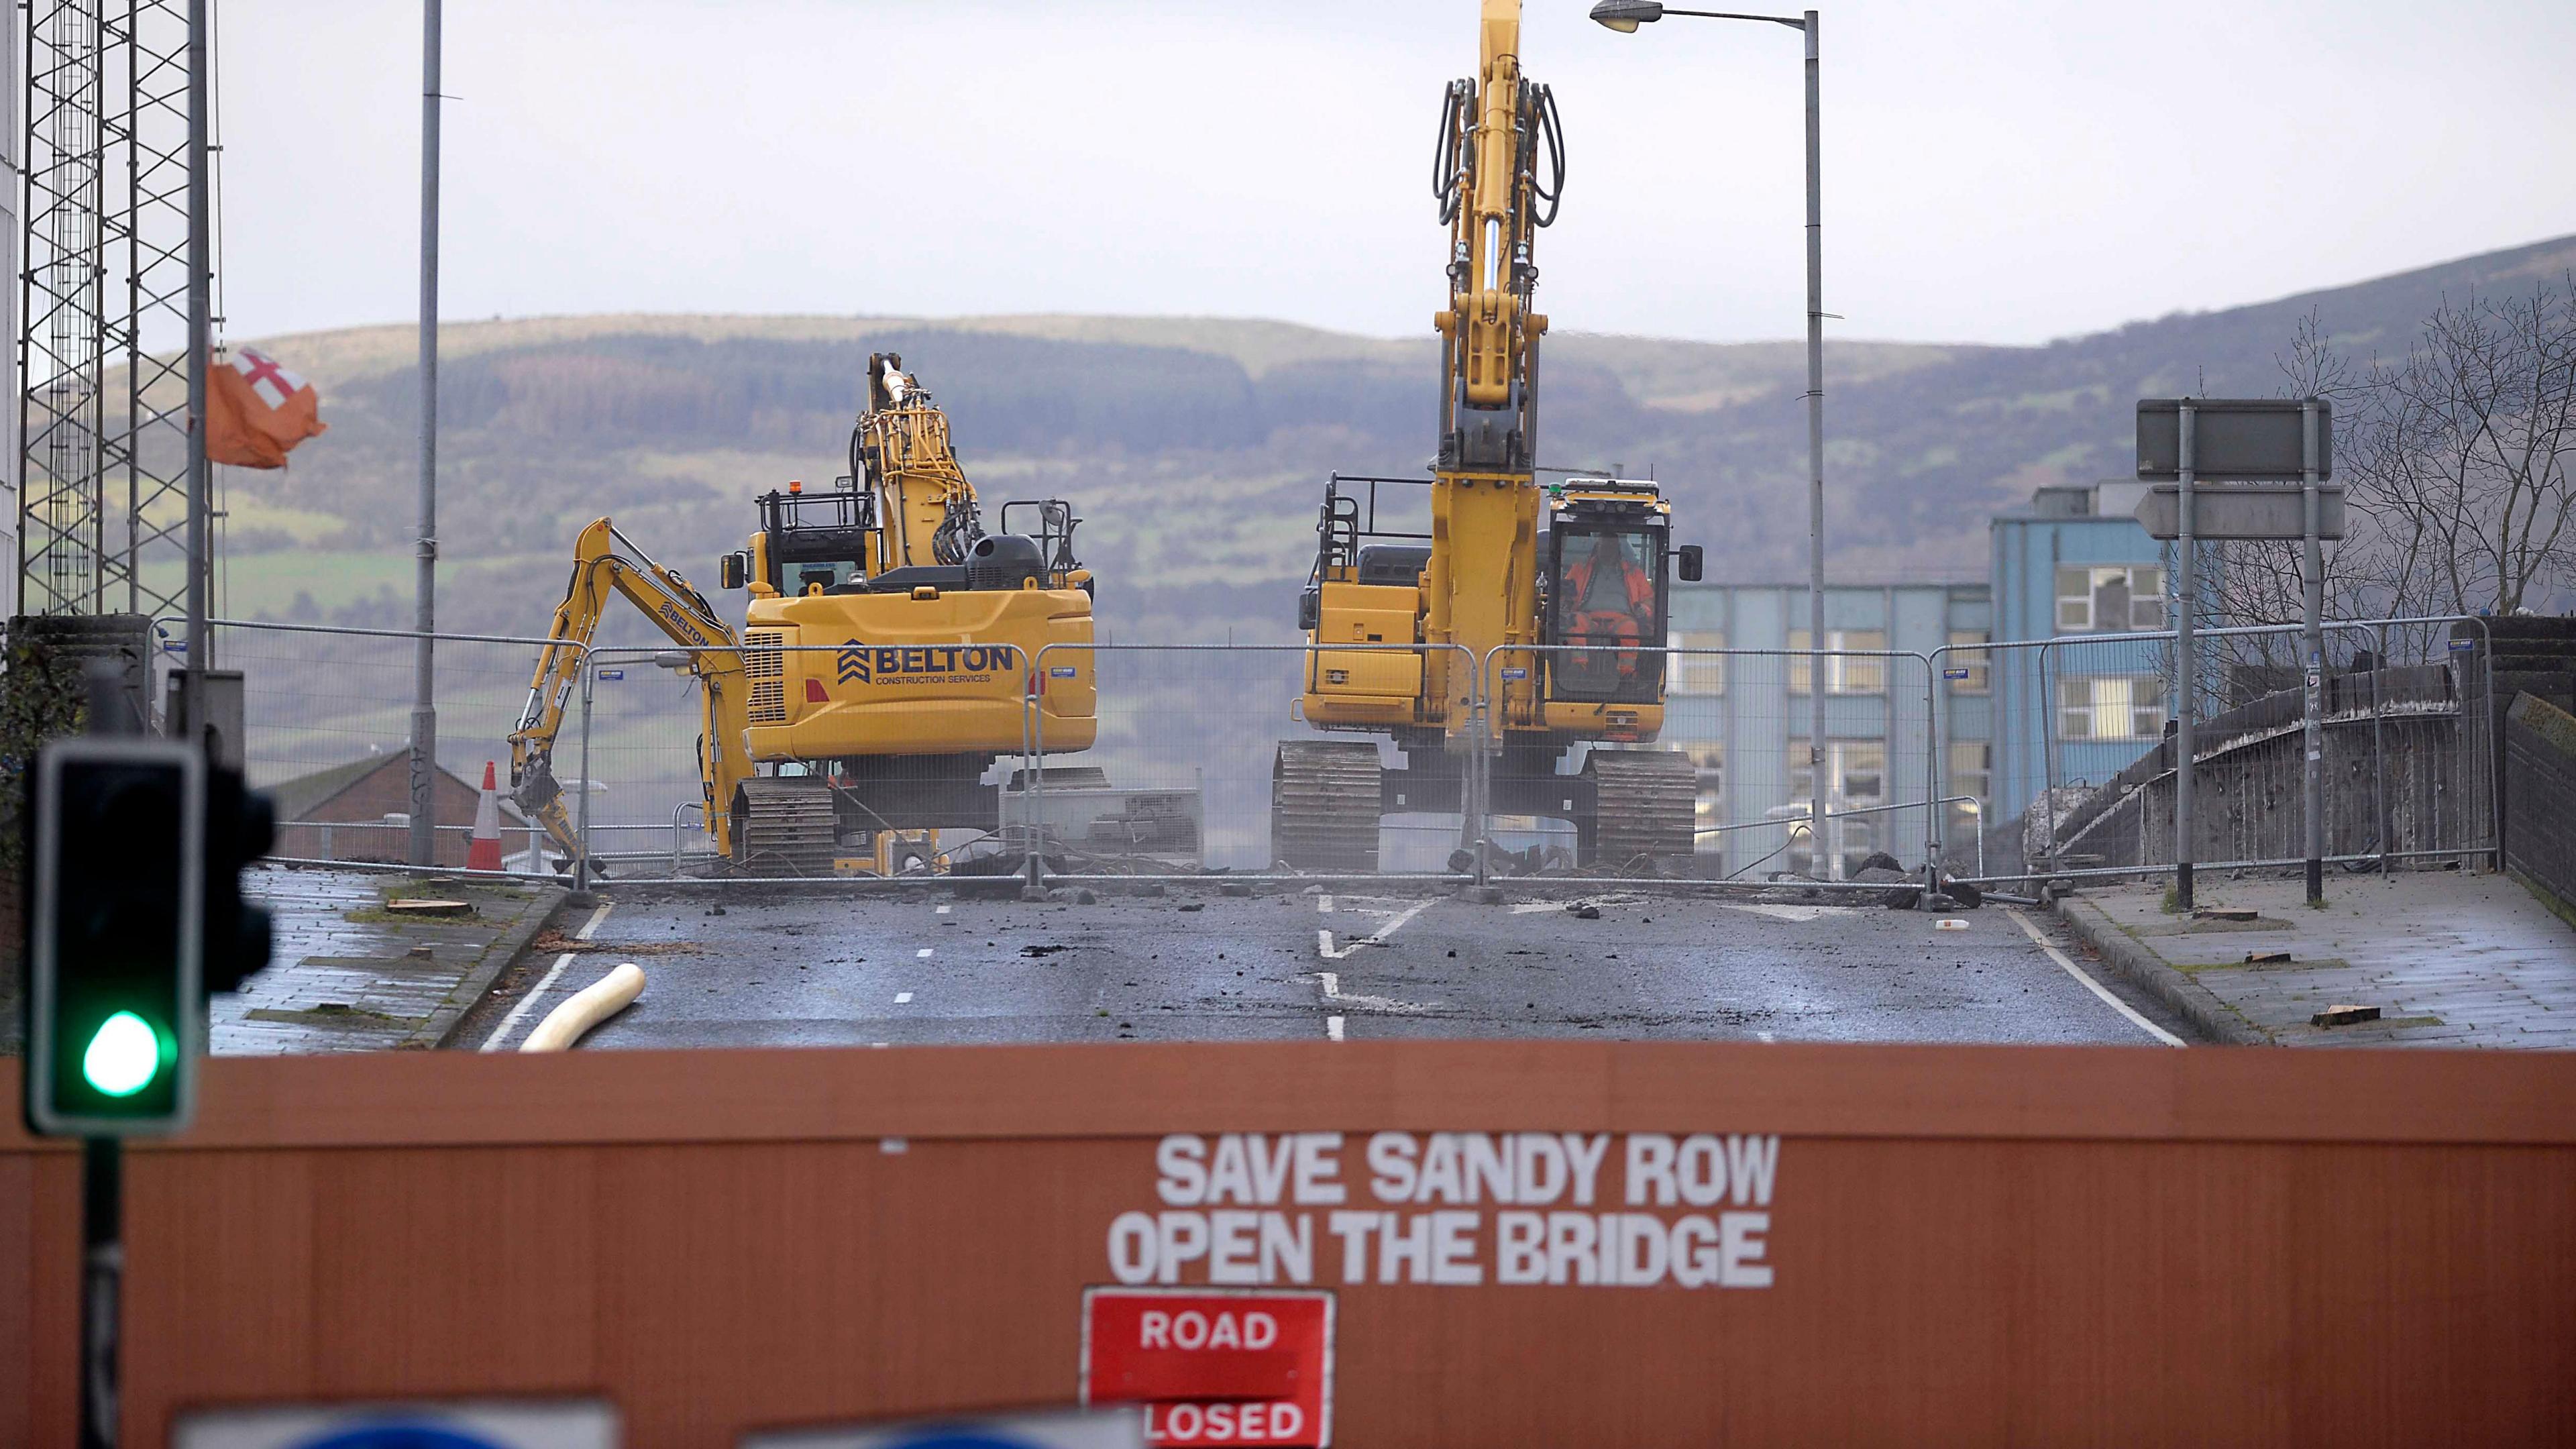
<point x="347" y="978"/>
<point x="2450" y="959"/>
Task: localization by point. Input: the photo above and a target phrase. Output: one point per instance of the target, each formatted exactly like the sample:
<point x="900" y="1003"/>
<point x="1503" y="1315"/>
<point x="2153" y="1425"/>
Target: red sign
<point x="1213" y="1366"/>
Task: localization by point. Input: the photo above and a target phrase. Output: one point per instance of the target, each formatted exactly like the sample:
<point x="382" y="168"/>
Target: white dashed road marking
<point x="1615" y="898"/>
<point x="2096" y="987"/>
<point x="924" y="952"/>
<point x="510" y="1023"/>
<point x="1332" y="1028"/>
<point x="1389" y="922"/>
<point x="1786" y="913"/>
<point x="901" y="997"/>
<point x="1332" y="983"/>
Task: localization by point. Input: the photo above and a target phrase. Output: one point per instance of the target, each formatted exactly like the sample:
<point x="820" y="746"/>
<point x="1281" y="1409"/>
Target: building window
<point x="1843" y="674"/>
<point x="1709" y="811"/>
<point x="1698" y="673"/>
<point x="2110" y="707"/>
<point x="2110" y="599"/>
<point x="1966" y="656"/>
<point x="1972" y="765"/>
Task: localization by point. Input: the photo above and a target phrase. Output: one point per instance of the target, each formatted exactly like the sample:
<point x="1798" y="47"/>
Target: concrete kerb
<point x="440" y="1029"/>
<point x="2149" y="972"/>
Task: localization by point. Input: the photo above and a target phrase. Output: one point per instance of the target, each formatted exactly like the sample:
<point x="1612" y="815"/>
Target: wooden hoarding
<point x="1900" y="1244"/>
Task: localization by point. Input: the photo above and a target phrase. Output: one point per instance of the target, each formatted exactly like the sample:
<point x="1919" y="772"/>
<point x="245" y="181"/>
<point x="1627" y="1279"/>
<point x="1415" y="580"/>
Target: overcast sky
<point x="1993" y="172"/>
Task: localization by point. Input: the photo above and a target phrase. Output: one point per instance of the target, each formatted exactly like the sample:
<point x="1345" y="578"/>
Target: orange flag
<point x="256" y="410"/>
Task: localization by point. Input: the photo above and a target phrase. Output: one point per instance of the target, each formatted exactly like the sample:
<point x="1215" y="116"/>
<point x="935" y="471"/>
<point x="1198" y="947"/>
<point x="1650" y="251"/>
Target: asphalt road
<point x="854" y="969"/>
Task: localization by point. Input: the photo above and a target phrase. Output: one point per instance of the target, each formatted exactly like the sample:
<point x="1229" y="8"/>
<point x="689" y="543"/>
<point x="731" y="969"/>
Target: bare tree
<point x="2457" y="496"/>
<point x="2457" y="462"/>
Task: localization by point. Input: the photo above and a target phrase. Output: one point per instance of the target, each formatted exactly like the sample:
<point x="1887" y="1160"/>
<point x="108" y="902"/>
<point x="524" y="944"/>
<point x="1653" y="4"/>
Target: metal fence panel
<point x="1202" y="727"/>
<point x="1742" y="717"/>
<point x="327" y="715"/>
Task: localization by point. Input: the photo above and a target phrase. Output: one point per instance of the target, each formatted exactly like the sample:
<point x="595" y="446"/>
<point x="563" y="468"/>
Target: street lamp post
<point x="1625" y="16"/>
<point x="424" y="703"/>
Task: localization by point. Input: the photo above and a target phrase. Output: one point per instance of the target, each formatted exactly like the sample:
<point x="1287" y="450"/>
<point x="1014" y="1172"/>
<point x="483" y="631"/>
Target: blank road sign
<point x="2233" y="511"/>
<point x="2232" y="439"/>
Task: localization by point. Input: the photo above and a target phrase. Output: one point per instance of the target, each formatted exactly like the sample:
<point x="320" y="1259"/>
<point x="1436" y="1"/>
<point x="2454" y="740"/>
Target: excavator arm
<point x="901" y="453"/>
<point x="606" y="562"/>
<point x="1486" y="173"/>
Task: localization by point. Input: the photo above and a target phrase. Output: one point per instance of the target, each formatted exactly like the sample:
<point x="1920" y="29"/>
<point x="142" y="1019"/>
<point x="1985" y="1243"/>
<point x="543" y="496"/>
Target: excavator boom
<point x="605" y="562"/>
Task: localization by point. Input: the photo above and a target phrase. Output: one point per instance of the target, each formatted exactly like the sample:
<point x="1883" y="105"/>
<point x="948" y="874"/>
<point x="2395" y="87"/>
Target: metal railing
<point x="2056" y="693"/>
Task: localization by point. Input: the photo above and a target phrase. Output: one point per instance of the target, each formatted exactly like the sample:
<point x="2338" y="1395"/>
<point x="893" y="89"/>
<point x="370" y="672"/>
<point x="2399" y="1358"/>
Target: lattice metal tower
<point x="102" y="342"/>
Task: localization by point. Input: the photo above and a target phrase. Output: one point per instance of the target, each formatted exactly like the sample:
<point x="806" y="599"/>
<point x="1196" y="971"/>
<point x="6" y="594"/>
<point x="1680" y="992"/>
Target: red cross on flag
<point x="256" y="410"/>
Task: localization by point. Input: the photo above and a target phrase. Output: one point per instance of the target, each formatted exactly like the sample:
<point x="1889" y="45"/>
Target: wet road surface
<point x="935" y="966"/>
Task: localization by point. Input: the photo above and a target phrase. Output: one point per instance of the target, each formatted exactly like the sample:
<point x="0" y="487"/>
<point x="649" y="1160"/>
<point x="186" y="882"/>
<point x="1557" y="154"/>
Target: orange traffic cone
<point x="484" y="851"/>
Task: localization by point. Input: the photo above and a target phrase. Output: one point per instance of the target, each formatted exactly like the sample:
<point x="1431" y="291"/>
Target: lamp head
<point x="1625" y="16"/>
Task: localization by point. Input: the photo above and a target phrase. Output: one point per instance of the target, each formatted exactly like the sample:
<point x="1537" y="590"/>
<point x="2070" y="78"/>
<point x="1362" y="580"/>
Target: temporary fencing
<point x="1743" y="719"/>
<point x="1200" y="728"/>
<point x="327" y="732"/>
<point x="638" y="722"/>
<point x="2051" y="754"/>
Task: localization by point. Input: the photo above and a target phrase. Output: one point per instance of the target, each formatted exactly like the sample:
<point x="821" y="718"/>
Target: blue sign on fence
<point x="576" y="1425"/>
<point x="1113" y="1428"/>
<point x="612" y="674"/>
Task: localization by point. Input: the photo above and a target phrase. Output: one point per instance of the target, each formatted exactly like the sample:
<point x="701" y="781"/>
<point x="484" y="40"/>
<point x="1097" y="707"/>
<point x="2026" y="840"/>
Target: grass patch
<point x="413" y="888"/>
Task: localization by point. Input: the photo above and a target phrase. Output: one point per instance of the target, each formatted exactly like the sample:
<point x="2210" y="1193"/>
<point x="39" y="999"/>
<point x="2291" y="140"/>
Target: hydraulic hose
<point x="1446" y="149"/>
<point x="1543" y="105"/>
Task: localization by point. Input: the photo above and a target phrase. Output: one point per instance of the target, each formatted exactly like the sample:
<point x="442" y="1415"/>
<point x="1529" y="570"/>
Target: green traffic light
<point x="123" y="1057"/>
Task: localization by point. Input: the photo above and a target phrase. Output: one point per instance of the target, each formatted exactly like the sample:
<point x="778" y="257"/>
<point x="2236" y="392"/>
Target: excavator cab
<point x="1606" y="591"/>
<point x="1606" y="603"/>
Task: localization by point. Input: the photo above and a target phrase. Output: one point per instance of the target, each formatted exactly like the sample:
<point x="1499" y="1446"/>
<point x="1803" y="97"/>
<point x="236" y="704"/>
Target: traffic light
<point x="115" y="929"/>
<point x="241" y="826"/>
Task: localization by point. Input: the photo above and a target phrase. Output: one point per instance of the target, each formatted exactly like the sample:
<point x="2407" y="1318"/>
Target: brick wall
<point x="2540" y="796"/>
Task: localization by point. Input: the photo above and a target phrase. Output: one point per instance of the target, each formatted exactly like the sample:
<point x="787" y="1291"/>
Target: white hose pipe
<point x="590" y="1006"/>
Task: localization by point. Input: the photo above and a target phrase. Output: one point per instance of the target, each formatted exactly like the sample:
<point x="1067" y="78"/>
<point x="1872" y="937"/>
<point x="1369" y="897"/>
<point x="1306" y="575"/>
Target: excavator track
<point x="1324" y="801"/>
<point x="783" y="826"/>
<point x="1644" y="806"/>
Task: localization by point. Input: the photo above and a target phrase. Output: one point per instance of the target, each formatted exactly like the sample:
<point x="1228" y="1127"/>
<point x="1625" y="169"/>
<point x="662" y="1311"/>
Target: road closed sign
<point x="1213" y="1366"/>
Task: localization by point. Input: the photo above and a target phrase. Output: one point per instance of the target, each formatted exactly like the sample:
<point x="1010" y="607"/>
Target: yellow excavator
<point x="929" y="629"/>
<point x="1505" y="562"/>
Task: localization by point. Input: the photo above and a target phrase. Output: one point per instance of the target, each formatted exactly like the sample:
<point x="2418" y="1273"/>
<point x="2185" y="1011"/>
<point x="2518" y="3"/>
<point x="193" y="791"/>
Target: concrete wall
<point x="2540" y="798"/>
